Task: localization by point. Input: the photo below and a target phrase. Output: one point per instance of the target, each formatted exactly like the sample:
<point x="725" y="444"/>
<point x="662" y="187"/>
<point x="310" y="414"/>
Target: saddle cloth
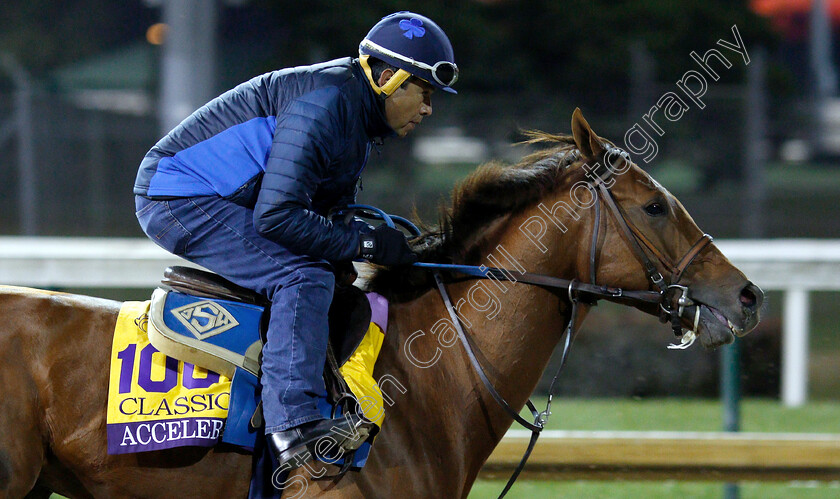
<point x="157" y="402"/>
<point x="222" y="336"/>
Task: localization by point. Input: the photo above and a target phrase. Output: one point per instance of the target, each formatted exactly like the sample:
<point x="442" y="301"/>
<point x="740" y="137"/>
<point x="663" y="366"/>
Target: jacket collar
<point x="376" y="124"/>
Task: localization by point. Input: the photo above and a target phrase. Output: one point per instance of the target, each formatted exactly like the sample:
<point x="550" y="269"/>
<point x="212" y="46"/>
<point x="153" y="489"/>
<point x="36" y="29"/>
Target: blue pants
<point x="220" y="236"/>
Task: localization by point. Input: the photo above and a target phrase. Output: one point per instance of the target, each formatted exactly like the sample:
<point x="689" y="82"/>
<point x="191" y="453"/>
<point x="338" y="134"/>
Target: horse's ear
<point x="587" y="142"/>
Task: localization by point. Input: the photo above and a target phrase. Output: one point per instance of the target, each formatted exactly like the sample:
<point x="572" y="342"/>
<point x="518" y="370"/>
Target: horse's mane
<point x="492" y="191"/>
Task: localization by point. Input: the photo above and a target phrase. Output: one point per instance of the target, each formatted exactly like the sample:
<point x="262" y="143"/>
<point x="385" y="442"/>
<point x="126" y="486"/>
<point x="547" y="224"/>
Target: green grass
<point x="689" y="415"/>
<point x="675" y="415"/>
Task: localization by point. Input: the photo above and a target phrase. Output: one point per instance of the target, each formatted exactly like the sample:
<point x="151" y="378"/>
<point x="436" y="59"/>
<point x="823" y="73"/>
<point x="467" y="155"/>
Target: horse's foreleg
<point x="22" y="453"/>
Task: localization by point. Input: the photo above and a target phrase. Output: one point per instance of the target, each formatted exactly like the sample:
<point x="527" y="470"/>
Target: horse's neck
<point x="515" y="328"/>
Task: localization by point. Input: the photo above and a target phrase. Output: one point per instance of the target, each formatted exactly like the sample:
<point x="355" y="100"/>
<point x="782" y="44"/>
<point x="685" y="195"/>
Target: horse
<point x="442" y="424"/>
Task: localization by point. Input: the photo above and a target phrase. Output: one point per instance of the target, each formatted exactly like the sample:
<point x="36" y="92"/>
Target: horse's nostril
<point x="748" y="297"/>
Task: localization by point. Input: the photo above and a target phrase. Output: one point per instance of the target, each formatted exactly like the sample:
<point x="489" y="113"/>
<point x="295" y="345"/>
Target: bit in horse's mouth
<point x="737" y="331"/>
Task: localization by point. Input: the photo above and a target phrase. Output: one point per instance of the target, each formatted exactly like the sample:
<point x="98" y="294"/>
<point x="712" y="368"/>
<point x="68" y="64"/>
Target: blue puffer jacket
<point x="290" y="143"/>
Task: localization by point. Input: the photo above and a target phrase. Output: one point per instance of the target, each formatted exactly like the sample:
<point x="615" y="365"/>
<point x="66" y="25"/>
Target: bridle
<point x="672" y="298"/>
<point x="672" y="305"/>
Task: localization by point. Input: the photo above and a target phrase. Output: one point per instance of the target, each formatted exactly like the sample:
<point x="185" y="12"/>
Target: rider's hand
<point x="386" y="246"/>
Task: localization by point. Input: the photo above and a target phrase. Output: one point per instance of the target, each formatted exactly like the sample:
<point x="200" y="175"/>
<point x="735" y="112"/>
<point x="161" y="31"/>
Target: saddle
<point x="191" y="314"/>
<point x="349" y="314"/>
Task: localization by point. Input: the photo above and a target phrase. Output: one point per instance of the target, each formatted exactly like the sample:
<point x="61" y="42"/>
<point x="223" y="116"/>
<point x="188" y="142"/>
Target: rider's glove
<point x="386" y="246"/>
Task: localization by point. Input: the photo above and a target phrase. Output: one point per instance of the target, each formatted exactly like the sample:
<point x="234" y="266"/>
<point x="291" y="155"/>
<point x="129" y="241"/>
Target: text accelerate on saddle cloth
<point x="157" y="402"/>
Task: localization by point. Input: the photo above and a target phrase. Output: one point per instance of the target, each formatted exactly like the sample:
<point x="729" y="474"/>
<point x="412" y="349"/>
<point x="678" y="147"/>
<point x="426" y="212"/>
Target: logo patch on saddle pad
<point x="205" y="318"/>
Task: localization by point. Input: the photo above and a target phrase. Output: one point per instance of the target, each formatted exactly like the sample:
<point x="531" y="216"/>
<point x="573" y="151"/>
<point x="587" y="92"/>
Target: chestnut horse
<point x="442" y="423"/>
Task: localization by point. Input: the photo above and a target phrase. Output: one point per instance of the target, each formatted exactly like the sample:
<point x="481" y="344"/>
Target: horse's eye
<point x="655" y="209"/>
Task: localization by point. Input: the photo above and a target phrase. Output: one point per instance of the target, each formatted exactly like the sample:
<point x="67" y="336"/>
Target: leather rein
<point x="672" y="298"/>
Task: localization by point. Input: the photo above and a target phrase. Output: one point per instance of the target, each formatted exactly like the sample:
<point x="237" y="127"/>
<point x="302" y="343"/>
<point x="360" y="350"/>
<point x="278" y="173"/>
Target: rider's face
<point x="408" y="105"/>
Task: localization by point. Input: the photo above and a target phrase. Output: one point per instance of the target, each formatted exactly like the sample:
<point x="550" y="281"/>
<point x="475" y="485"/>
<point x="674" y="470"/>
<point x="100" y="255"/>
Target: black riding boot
<point x="328" y="438"/>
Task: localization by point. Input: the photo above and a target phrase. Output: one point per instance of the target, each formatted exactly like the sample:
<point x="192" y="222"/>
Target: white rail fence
<point x="794" y="266"/>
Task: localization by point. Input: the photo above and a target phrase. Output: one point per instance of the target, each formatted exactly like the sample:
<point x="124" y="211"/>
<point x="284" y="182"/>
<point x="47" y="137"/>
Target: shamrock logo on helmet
<point x="412" y="27"/>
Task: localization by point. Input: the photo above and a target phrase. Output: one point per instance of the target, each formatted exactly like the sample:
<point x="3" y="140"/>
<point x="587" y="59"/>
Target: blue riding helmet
<point x="413" y="44"/>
